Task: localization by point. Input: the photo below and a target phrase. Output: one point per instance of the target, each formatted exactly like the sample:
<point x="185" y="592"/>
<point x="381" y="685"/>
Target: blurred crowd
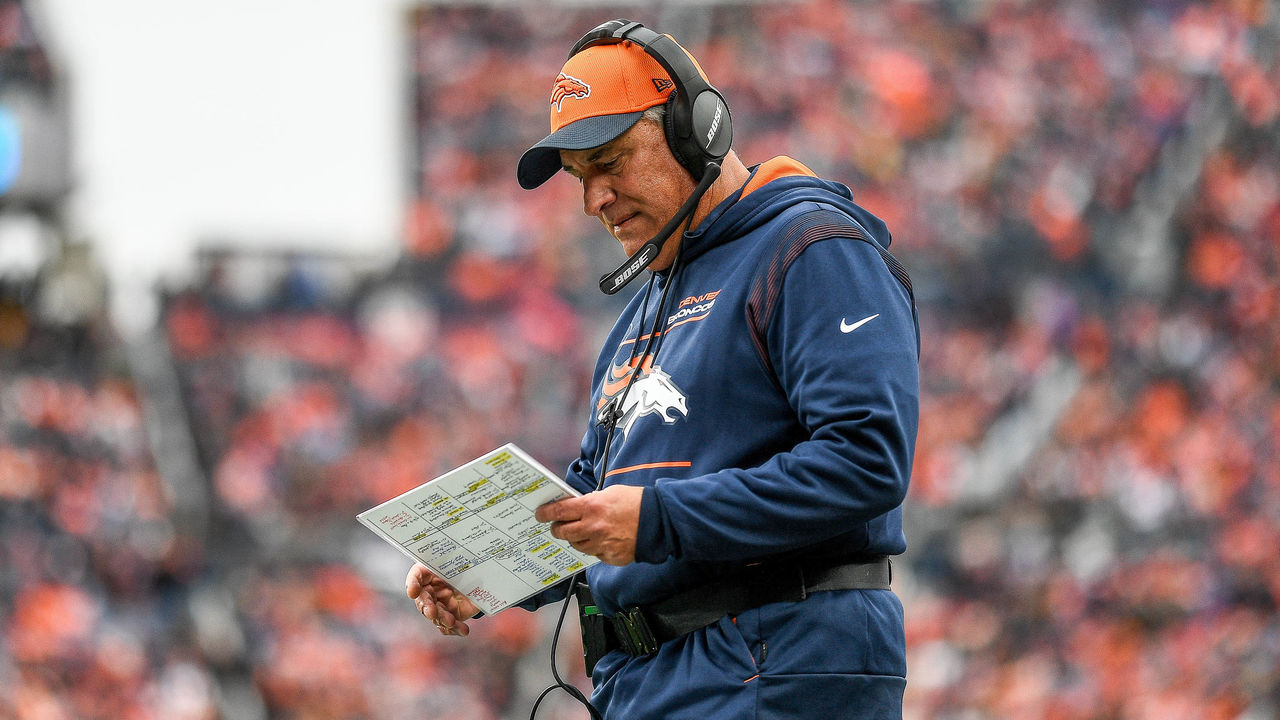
<point x="22" y="57"/>
<point x="1114" y="555"/>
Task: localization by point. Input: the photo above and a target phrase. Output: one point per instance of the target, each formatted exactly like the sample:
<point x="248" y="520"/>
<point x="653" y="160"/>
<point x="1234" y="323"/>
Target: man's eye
<point x="609" y="165"/>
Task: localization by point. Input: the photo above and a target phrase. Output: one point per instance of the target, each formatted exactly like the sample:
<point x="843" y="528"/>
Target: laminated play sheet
<point x="474" y="527"/>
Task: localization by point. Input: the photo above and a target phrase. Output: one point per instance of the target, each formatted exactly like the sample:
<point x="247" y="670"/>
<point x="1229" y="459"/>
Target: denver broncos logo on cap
<point x="568" y="86"/>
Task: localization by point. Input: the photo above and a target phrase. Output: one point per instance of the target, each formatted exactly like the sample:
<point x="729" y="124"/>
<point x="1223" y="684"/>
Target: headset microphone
<point x="618" y="279"/>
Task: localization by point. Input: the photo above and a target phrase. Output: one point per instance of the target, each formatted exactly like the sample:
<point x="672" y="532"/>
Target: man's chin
<point x="632" y="242"/>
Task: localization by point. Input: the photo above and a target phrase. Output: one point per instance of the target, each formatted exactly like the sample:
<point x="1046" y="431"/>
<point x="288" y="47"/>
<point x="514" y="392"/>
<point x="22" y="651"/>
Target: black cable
<point x="644" y="311"/>
<point x="662" y="303"/>
<point x="560" y="684"/>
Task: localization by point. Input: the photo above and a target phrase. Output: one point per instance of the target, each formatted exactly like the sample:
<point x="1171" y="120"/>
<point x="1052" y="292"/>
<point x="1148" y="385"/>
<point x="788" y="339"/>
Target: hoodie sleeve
<point x="842" y="340"/>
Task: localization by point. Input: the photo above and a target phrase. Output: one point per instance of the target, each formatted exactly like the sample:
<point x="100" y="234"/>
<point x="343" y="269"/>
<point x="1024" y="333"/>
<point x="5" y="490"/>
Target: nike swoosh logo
<point x="620" y="375"/>
<point x="847" y="328"/>
<point x="616" y="381"/>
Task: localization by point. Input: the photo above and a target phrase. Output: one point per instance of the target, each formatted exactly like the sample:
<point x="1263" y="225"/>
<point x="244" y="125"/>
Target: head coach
<point x="753" y="417"/>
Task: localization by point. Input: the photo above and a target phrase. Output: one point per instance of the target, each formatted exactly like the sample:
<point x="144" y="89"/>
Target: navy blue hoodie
<point x="777" y="408"/>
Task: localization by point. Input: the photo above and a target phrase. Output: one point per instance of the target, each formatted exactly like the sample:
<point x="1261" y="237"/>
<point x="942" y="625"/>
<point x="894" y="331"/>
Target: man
<point x="754" y="415"/>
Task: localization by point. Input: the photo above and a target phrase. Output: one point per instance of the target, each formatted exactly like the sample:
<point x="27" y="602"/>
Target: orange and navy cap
<point x="599" y="94"/>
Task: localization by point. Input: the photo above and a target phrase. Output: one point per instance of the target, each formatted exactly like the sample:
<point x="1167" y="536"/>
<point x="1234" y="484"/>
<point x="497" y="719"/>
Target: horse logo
<point x="652" y="394"/>
<point x="568" y="86"/>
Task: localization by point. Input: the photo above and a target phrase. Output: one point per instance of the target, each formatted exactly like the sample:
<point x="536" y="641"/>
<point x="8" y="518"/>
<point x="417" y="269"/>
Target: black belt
<point x="640" y="630"/>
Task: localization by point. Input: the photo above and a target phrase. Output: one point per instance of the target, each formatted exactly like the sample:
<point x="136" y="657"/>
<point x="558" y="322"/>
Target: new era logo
<point x="661" y="83"/>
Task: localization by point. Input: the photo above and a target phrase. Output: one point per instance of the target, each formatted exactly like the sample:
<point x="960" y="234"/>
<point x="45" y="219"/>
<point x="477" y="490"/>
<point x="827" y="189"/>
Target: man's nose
<point x="596" y="194"/>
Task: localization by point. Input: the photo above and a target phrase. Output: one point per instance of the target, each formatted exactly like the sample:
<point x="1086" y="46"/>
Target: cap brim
<point x="541" y="161"/>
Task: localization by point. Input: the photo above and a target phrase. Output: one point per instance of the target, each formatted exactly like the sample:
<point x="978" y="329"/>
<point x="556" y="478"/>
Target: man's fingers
<point x="421" y="582"/>
<point x="559" y="511"/>
<point x="550" y="512"/>
<point x="444" y="617"/>
<point x="438" y="614"/>
<point x="437" y="601"/>
<point x="418" y="578"/>
<point x="578" y="534"/>
<point x="445" y="620"/>
<point x="557" y="530"/>
<point x="439" y="587"/>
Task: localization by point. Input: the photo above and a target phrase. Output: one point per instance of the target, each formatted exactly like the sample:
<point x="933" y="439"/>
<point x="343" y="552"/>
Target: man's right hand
<point x="438" y="602"/>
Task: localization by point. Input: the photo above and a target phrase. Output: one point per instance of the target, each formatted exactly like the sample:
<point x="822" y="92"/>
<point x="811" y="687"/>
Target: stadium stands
<point x="1095" y="509"/>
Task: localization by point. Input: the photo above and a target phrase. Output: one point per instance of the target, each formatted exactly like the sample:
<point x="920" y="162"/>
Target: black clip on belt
<point x="633" y="633"/>
<point x="640" y="631"/>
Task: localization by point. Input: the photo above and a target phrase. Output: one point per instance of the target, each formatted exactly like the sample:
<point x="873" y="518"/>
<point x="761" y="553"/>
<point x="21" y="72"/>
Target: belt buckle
<point x="634" y="633"/>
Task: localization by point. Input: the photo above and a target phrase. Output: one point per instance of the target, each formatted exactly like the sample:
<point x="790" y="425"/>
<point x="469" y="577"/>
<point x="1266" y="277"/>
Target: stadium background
<point x="1088" y="198"/>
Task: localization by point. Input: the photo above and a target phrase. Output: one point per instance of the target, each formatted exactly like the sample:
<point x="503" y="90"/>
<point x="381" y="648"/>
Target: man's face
<point x="634" y="185"/>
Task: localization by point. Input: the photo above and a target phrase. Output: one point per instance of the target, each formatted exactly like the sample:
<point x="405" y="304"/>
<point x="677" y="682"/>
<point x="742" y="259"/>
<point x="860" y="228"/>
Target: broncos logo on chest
<point x="653" y="393"/>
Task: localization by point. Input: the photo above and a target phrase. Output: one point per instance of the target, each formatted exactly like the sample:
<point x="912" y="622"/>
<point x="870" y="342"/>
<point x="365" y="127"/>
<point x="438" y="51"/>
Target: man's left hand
<point x="602" y="523"/>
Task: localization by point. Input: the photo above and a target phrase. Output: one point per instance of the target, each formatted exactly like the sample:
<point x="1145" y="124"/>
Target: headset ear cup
<point x="673" y="138"/>
<point x="711" y="130"/>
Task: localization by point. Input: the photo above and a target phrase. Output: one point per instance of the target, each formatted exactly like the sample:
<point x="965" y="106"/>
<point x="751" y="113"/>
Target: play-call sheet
<point x="474" y="527"/>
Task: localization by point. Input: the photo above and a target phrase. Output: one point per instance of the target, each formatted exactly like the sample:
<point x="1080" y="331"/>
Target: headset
<point x="697" y="125"/>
